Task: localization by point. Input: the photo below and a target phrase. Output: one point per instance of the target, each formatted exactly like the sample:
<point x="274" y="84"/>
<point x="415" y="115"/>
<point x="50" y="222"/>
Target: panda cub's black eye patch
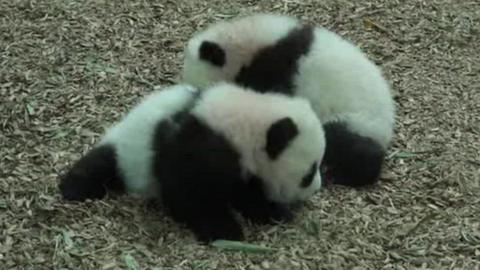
<point x="308" y="178"/>
<point x="213" y="53"/>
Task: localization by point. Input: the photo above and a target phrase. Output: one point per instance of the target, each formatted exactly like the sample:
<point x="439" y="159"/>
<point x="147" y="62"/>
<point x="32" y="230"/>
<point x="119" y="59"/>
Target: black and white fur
<point x="276" y="53"/>
<point x="207" y="153"/>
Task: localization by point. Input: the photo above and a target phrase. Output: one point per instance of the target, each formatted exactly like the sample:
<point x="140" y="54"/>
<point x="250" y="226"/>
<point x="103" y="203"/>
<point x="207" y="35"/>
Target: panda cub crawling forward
<point x="276" y="53"/>
<point x="205" y="153"/>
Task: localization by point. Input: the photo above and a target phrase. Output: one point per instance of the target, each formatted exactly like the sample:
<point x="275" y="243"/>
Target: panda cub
<point x="276" y="53"/>
<point x="205" y="153"/>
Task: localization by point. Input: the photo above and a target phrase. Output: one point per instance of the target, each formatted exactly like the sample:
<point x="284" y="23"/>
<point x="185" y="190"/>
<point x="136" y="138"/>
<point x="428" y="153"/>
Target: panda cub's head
<point x="290" y="162"/>
<point x="279" y="138"/>
<point x="221" y="50"/>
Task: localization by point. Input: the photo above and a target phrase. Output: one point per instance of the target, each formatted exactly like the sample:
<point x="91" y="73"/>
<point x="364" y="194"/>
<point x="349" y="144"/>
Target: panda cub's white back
<point x="344" y="85"/>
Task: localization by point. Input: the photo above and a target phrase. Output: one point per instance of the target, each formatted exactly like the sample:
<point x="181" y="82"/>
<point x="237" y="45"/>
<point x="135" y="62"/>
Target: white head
<point x="279" y="138"/>
<point x="289" y="161"/>
<point x="221" y="50"/>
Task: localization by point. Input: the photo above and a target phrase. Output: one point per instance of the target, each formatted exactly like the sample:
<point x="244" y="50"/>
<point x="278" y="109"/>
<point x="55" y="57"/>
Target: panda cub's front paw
<point x="75" y="188"/>
<point x="269" y="213"/>
<point x="207" y="233"/>
<point x="281" y="213"/>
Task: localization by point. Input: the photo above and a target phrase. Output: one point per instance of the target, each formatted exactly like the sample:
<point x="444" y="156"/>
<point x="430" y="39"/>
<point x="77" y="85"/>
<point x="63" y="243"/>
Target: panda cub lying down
<point x="277" y="53"/>
<point x="205" y="153"/>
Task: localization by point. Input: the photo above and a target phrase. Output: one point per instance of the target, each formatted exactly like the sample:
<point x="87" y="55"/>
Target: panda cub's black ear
<point x="279" y="135"/>
<point x="213" y="53"/>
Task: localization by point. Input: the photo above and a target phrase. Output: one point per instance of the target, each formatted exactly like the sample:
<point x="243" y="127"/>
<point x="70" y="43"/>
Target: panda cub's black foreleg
<point x="90" y="176"/>
<point x="351" y="159"/>
<point x="213" y="222"/>
<point x="198" y="169"/>
<point x="250" y="201"/>
<point x="202" y="205"/>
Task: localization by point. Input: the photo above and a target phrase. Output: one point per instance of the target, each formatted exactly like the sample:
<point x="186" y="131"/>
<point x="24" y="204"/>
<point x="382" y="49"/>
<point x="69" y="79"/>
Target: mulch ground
<point x="68" y="69"/>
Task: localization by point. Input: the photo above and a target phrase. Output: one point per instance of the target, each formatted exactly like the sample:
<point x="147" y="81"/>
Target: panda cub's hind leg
<point x="91" y="176"/>
<point x="351" y="159"/>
